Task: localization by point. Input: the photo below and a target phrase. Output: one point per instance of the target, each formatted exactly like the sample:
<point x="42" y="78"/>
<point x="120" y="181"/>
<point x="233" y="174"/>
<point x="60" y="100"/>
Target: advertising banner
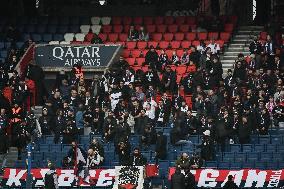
<point x="67" y="55"/>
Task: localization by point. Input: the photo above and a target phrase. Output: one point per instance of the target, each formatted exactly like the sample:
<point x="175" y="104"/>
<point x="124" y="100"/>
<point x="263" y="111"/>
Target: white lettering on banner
<point x="69" y="52"/>
<point x="104" y="180"/>
<point x="274" y="178"/>
<point x="60" y="55"/>
<point x="86" y="52"/>
<point x="66" y="177"/>
<point x="84" y="62"/>
<point x="41" y="181"/>
<point x="253" y="177"/>
<point x="14" y="178"/>
<point x="208" y="178"/>
<point x="238" y="175"/>
<point x="95" y="51"/>
<point x="78" y="51"/>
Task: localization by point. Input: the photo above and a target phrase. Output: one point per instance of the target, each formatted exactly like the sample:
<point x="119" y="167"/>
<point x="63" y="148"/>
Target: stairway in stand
<point x="239" y="44"/>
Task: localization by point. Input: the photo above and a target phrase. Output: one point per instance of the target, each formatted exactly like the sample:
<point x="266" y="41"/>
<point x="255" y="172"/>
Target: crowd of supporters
<point x="249" y="100"/>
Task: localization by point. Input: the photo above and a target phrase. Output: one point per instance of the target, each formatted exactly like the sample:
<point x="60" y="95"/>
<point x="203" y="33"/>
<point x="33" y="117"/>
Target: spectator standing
<point x="230" y="183"/>
<point x="178" y="180"/>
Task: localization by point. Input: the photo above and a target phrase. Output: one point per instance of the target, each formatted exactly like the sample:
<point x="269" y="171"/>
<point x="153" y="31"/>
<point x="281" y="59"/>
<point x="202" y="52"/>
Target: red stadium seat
<point x="179" y="36"/>
<point x="126" y="53"/>
<point x="220" y="42"/>
<point x="141" y="44"/>
<point x="126" y="20"/>
<point x="136" y="53"/>
<point x="185" y="44"/>
<point x="140" y="61"/>
<point x="180" y="20"/>
<point x="188" y="100"/>
<point x="233" y="19"/>
<point x="112" y="37"/>
<point x="225" y="36"/>
<point x="108" y="43"/>
<point x="191" y="68"/>
<point x="130" y="61"/>
<point x="263" y="35"/>
<point x="229" y="28"/>
<point x="144" y="52"/>
<point x="195" y="43"/>
<point x="122" y="37"/>
<point x="207" y="42"/>
<point x="169" y="20"/>
<point x="184" y="28"/>
<point x="148" y="20"/>
<point x="157" y="36"/>
<point x="137" y="27"/>
<point x="168" y="36"/>
<point x="152" y="43"/>
<point x="117" y="28"/>
<point x="180" y="70"/>
<point x="138" y="20"/>
<point x="145" y="68"/>
<point x="213" y="35"/>
<point x="151" y="28"/>
<point x="175" y="44"/>
<point x="135" y="68"/>
<point x="107" y="28"/>
<point x="163" y="44"/>
<point x="161" y="28"/>
<point x="126" y="28"/>
<point x="193" y="27"/>
<point x="169" y="53"/>
<point x="130" y="44"/>
<point x="159" y="20"/>
<point x="173" y="28"/>
<point x="86" y="42"/>
<point x="103" y="36"/>
<point x="179" y="52"/>
<point x="202" y="35"/>
<point x="116" y="20"/>
<point x="190" y="20"/>
<point x="190" y="36"/>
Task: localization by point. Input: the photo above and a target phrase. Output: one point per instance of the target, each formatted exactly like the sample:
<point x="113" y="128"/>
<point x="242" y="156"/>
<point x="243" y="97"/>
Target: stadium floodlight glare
<point x="102" y="2"/>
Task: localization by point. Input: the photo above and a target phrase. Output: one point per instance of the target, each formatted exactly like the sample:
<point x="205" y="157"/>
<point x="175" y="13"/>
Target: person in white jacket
<point x="150" y="107"/>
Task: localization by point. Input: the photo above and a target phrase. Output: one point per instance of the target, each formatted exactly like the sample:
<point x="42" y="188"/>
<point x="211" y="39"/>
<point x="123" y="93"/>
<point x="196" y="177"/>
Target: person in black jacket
<point x="51" y="178"/>
<point x="151" y="57"/>
<point x="178" y="180"/>
<point x="161" y="146"/>
<point x="137" y="159"/>
<point x="189" y="180"/>
<point x="230" y="183"/>
<point x="244" y="131"/>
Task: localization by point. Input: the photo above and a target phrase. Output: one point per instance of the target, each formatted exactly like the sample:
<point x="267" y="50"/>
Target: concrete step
<point x="248" y="32"/>
<point x="250" y="27"/>
<point x="238" y="49"/>
<point x="228" y="57"/>
<point x="238" y="45"/>
<point x="242" y="36"/>
<point x="240" y="40"/>
<point x="233" y="53"/>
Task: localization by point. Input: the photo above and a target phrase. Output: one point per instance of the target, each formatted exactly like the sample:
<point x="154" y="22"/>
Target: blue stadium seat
<point x="58" y="37"/>
<point x="266" y="156"/>
<point x="37" y="156"/>
<point x="224" y="165"/>
<point x="44" y="147"/>
<point x="280" y="165"/>
<point x="49" y="139"/>
<point x="172" y="155"/>
<point x="55" y="148"/>
<point x="74" y="20"/>
<point x="66" y="148"/>
<point x="47" y="37"/>
<point x="264" y="139"/>
<point x="30" y="28"/>
<point x="254" y="139"/>
<point x="85" y="21"/>
<point x="236" y="165"/>
<point x="8" y="45"/>
<point x="62" y="29"/>
<point x="194" y="139"/>
<point x="2" y="60"/>
<point x="259" y="148"/>
<point x="240" y="157"/>
<point x="280" y="148"/>
<point x="278" y="156"/>
<point x="248" y="164"/>
<point x="235" y="148"/>
<point x="271" y="148"/>
<point x="147" y="155"/>
<point x="163" y="167"/>
<point x="74" y="29"/>
<point x="53" y="20"/>
<point x="276" y="139"/>
<point x="4" y="53"/>
<point x="26" y="36"/>
<point x="2" y="45"/>
<point x="167" y="130"/>
<point x="211" y="164"/>
<point x="51" y="28"/>
<point x="247" y="147"/>
<point x="228" y="156"/>
<point x="260" y="165"/>
<point x="271" y="164"/>
<point x="252" y="156"/>
<point x="19" y="44"/>
<point x="64" y="20"/>
<point x="36" y="37"/>
<point x="20" y="164"/>
<point x="84" y="139"/>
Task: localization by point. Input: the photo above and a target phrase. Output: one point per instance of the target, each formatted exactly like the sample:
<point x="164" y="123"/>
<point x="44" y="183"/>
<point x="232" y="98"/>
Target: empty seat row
<point x="244" y="165"/>
<point x="256" y="156"/>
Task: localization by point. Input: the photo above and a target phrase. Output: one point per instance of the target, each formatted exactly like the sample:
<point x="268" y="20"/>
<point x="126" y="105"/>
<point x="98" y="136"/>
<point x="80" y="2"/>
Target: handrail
<point x="26" y="58"/>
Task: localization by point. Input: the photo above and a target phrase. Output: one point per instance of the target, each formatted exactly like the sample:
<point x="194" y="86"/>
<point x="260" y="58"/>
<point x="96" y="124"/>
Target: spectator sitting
<point x="215" y="48"/>
<point x="184" y="59"/>
<point x="195" y="161"/>
<point x="133" y="34"/>
<point x="148" y="136"/>
<point x="96" y="146"/>
<point x="96" y="39"/>
<point x="183" y="162"/>
<point x="178" y="180"/>
<point x="94" y="159"/>
<point x="137" y="159"/>
<point x="143" y="35"/>
<point x="175" y="59"/>
<point x="151" y="57"/>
